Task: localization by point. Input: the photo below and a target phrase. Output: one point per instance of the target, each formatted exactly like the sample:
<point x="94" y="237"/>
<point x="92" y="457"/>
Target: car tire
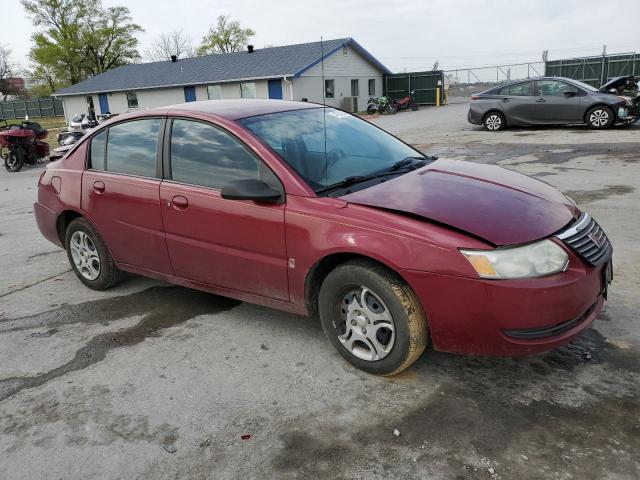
<point x="494" y="121"/>
<point x="361" y="294"/>
<point x="600" y="117"/>
<point x="89" y="256"/>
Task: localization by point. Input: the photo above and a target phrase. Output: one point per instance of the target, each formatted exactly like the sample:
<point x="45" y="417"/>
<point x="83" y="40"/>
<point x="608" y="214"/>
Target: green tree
<point x="80" y="38"/>
<point x="225" y="36"/>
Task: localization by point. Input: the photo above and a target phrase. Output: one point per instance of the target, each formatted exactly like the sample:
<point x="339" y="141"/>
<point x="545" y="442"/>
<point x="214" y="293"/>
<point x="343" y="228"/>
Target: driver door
<point x="235" y="244"/>
<point x="557" y="102"/>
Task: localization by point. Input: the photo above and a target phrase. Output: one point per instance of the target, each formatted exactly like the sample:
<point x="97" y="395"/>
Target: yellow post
<point x="437" y="96"/>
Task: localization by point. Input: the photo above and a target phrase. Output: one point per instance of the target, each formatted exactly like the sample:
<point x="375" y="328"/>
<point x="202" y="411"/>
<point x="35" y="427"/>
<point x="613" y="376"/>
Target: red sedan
<point x="317" y="212"/>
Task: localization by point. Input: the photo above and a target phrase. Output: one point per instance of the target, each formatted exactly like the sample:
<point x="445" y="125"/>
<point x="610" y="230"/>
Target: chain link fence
<point x="36" y="108"/>
<point x="464" y="82"/>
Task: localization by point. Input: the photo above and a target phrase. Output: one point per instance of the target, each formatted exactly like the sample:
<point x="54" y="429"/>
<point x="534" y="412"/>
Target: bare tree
<point x="175" y="43"/>
<point x="6" y="71"/>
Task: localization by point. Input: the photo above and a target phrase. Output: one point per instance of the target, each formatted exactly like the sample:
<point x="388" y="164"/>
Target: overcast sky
<point x="402" y="34"/>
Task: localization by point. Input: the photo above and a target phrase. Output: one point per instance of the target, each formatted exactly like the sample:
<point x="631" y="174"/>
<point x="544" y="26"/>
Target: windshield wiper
<point x="396" y="168"/>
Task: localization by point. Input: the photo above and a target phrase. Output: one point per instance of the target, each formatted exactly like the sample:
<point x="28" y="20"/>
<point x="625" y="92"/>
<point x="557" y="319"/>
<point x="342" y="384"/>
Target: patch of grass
<point x="46" y="122"/>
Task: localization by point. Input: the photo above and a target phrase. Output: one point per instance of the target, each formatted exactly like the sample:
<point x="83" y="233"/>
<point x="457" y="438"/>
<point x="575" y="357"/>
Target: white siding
<point x="341" y="69"/>
<point x="337" y="67"/>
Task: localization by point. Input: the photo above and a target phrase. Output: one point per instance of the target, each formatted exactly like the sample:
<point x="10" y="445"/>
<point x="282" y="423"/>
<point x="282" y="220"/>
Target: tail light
<point x="474" y="98"/>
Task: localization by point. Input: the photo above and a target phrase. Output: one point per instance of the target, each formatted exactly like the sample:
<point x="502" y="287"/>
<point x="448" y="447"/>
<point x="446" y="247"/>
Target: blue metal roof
<point x="261" y="63"/>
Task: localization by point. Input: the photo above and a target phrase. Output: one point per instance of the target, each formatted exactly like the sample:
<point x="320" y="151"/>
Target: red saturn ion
<point x="317" y="212"/>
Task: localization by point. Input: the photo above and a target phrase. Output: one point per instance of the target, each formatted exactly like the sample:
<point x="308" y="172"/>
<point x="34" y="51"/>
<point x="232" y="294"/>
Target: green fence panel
<point x="39" y="107"/>
<point x="595" y="71"/>
<point x="423" y="84"/>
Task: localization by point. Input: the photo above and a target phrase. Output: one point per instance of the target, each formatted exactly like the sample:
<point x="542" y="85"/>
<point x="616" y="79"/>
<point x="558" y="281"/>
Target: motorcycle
<point x="382" y="105"/>
<point x="406" y="103"/>
<point x="22" y="144"/>
<point x="78" y="126"/>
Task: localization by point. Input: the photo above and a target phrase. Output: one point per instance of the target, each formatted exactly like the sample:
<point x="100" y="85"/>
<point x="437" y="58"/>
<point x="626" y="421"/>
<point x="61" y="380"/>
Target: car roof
<point x="237" y="108"/>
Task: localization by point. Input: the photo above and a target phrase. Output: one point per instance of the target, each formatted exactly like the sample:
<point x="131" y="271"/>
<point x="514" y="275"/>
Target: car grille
<point x="588" y="240"/>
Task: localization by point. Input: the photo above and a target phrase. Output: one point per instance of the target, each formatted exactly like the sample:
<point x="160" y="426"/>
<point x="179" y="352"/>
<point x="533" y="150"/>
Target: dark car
<point x="318" y="212"/>
<point x="548" y="101"/>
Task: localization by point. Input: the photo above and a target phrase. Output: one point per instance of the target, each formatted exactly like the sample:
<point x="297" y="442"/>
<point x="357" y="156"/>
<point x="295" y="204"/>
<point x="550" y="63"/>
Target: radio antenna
<point x="324" y="111"/>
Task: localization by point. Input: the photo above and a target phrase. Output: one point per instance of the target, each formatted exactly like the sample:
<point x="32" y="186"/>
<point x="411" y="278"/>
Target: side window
<point x="132" y="100"/>
<point x="554" y="88"/>
<point x="96" y="155"/>
<point x="372" y="86"/>
<point x="131" y="147"/>
<point x="248" y="90"/>
<point x="519" y="89"/>
<point x="205" y="155"/>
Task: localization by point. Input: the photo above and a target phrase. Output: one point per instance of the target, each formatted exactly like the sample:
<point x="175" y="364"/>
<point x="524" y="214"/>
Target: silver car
<point x="547" y="101"/>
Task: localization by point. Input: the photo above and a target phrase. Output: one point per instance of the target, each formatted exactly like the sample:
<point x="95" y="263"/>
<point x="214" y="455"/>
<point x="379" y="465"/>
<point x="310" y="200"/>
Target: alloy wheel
<point x="85" y="255"/>
<point x="599" y="118"/>
<point x="493" y="122"/>
<point x="369" y="329"/>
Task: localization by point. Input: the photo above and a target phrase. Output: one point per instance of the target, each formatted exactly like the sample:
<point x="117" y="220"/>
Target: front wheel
<point x="372" y="318"/>
<point x="600" y="117"/>
<point x="494" y="121"/>
<point x="13" y="161"/>
<point x="89" y="257"/>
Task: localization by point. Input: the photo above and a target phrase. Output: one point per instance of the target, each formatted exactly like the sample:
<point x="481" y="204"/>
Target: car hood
<point x="500" y="206"/>
<point x="629" y="83"/>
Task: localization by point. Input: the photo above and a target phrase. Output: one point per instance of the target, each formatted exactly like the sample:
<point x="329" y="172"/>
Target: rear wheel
<point x="371" y="109"/>
<point x="600" y="117"/>
<point x="372" y="318"/>
<point x="494" y="121"/>
<point x="89" y="257"/>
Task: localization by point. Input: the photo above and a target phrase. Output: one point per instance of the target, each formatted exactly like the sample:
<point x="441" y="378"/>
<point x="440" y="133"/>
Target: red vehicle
<point x="22" y="144"/>
<point x="388" y="247"/>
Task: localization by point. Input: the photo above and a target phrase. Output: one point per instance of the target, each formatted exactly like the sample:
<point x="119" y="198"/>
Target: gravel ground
<point x="153" y="381"/>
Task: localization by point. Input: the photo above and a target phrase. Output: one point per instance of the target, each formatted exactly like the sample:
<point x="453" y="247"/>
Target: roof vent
<point x="250" y="48"/>
<point x="174" y="58"/>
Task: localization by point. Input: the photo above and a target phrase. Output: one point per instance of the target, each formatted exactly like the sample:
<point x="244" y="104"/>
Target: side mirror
<point x="250" y="189"/>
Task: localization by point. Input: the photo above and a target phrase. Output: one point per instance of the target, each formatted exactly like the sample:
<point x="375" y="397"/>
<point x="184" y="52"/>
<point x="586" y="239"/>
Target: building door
<point x="104" y="103"/>
<point x="189" y="94"/>
<point x="275" y="89"/>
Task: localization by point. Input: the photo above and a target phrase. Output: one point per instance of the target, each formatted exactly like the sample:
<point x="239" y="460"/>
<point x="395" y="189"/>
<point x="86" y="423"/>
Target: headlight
<point x="534" y="260"/>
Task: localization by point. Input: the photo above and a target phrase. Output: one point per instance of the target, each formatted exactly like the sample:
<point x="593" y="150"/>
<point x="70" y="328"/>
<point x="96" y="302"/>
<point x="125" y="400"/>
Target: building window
<point x="372" y="86"/>
<point x="329" y="89"/>
<point x="344" y="50"/>
<point x="248" y="90"/>
<point x="355" y="88"/>
<point x="214" y="92"/>
<point x="132" y="100"/>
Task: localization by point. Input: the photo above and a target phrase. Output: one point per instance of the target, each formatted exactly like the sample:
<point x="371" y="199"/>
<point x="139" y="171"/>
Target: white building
<point x="291" y="72"/>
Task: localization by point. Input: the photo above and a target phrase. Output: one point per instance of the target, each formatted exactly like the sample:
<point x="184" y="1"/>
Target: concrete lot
<point x="153" y="381"/>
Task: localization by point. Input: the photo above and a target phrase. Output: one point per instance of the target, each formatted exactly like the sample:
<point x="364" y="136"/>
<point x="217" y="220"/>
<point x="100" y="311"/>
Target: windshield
<point x="586" y="86"/>
<point x="352" y="147"/>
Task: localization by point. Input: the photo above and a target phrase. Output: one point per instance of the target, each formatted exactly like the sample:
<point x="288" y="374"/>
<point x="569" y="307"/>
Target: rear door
<point x="233" y="244"/>
<point x="517" y="102"/>
<point x="121" y="193"/>
<point x="557" y="102"/>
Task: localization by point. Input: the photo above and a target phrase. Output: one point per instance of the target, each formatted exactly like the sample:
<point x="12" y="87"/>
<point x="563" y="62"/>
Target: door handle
<point x="180" y="202"/>
<point x="99" y="187"/>
<point x="505" y="99"/>
<point x="541" y="100"/>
